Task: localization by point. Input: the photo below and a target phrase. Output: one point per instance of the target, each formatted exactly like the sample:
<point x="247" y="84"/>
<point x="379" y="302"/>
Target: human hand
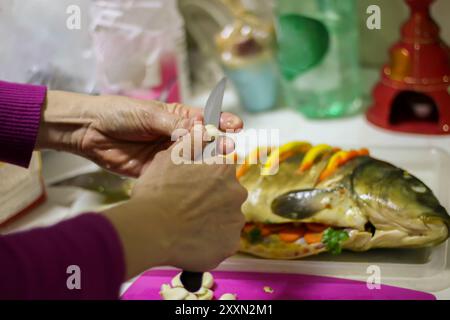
<point x="118" y="133"/>
<point x="187" y="216"/>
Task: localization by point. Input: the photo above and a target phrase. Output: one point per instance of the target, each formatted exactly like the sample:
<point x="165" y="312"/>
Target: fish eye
<point x="419" y="188"/>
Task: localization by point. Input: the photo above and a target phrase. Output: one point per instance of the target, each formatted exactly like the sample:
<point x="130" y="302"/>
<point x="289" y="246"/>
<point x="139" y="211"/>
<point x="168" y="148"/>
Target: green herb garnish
<point x="254" y="235"/>
<point x="333" y="240"/>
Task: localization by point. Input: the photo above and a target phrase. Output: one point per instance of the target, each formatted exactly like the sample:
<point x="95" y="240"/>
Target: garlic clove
<point x="207" y="280"/>
<point x="212" y="132"/>
<point x="268" y="289"/>
<point x="176" y="281"/>
<point x="174" y="293"/>
<point x="191" y="296"/>
<point x="207" y="295"/>
<point x="201" y="291"/>
<point x="228" y="296"/>
<point x="164" y="287"/>
<point x="178" y="292"/>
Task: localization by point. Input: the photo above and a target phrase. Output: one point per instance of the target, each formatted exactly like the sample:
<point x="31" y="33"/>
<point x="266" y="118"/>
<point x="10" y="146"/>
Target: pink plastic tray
<point x="249" y="286"/>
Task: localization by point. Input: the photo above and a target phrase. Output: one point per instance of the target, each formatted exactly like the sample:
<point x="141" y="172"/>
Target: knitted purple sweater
<point x="45" y="263"/>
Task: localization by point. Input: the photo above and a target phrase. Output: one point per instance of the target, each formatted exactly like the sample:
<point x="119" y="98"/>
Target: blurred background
<point x="174" y="49"/>
<point x="41" y="24"/>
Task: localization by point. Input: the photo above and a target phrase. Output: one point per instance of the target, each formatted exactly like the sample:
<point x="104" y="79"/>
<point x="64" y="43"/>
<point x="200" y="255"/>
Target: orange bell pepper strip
<point x="282" y="153"/>
<point x="248" y="227"/>
<point x="339" y="159"/>
<point x="316" y="227"/>
<point x="312" y="155"/>
<point x="253" y="158"/>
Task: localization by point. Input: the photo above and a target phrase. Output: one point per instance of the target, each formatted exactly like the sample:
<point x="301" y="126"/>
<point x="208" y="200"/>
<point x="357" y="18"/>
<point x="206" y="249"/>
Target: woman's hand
<point x="187" y="216"/>
<point x="118" y="133"/>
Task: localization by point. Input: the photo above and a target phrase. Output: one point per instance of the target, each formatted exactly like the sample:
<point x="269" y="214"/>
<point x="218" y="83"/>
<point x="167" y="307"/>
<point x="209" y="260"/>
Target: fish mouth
<point x="424" y="231"/>
<point x="395" y="238"/>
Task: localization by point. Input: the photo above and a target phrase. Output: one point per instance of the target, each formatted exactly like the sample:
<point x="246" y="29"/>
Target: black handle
<point x="192" y="281"/>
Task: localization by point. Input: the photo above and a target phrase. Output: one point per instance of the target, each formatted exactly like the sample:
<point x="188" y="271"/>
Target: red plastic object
<point x="413" y="94"/>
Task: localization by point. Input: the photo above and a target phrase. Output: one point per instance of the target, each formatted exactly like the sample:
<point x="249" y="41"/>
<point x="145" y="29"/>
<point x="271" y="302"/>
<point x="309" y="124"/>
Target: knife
<point x="213" y="107"/>
<point x="192" y="281"/>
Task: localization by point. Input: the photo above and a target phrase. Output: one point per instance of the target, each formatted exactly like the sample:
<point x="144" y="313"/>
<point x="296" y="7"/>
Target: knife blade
<point x="192" y="281"/>
<point x="213" y="107"/>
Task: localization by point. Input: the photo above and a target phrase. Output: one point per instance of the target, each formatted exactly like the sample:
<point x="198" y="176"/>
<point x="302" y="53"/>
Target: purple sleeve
<point x="34" y="264"/>
<point x="20" y="112"/>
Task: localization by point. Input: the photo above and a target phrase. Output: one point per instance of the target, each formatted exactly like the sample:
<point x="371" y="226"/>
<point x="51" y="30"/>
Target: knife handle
<point x="192" y="281"/>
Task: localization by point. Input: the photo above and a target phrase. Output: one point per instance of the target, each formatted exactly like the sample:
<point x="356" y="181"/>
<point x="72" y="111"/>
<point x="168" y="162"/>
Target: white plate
<point x="421" y="269"/>
<point x="59" y="166"/>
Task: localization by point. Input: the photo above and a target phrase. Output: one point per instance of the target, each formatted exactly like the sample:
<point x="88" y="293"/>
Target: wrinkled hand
<point x="118" y="133"/>
<point x="187" y="216"/>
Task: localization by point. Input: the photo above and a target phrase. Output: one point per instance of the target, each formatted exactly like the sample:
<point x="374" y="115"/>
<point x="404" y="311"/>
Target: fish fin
<point x="304" y="203"/>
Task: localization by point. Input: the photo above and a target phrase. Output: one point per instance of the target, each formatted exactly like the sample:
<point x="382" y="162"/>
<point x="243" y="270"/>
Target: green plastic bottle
<point x="318" y="56"/>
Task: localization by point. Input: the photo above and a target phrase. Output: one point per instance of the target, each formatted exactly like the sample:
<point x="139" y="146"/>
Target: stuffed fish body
<point x="325" y="199"/>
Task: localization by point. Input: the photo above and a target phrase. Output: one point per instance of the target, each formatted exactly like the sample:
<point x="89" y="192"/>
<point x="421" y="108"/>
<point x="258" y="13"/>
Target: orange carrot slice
<point x="291" y="234"/>
<point x="265" y="231"/>
<point x="288" y="237"/>
<point x="313" y="237"/>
